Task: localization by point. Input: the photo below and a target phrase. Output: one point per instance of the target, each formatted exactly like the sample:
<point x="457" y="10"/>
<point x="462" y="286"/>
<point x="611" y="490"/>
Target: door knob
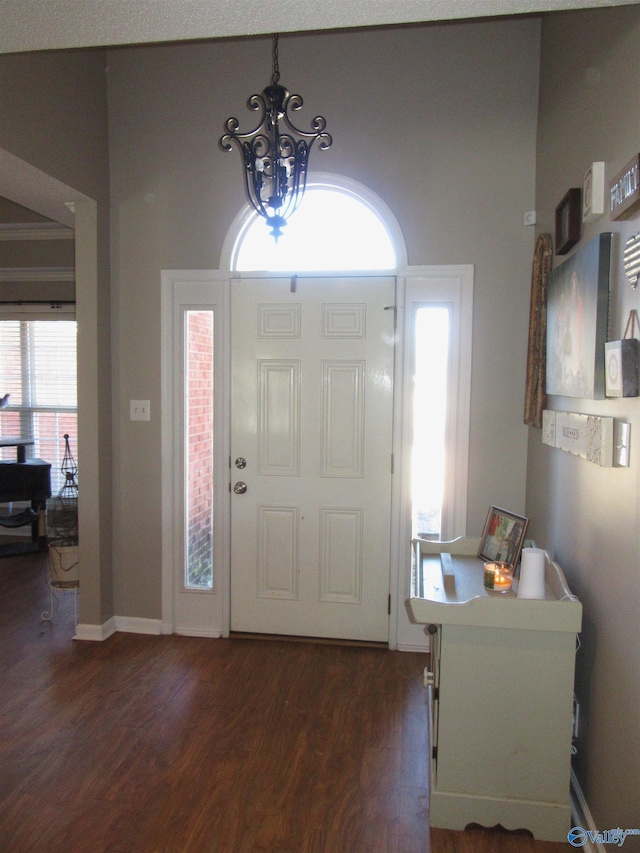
<point x="240" y="462"/>
<point x="240" y="488"/>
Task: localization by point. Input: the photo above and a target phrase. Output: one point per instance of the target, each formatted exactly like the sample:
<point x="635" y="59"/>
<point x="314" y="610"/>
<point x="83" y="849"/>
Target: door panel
<point x="312" y="395"/>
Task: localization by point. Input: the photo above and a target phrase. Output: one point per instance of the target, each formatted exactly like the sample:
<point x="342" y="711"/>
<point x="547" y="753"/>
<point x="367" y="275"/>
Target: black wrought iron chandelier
<point x="275" y="154"/>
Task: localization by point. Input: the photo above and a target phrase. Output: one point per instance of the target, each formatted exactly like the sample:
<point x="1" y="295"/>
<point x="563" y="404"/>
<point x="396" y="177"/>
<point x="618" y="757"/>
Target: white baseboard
<point x="126" y="624"/>
<point x="95" y="633"/>
<point x="422" y="648"/>
<point x="137" y="625"/>
<point x="212" y="635"/>
<point x="581" y="816"/>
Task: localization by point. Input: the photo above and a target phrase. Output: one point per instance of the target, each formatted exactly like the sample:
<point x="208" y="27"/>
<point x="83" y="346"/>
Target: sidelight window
<point x="430" y="345"/>
<point x="437" y="396"/>
<point x="199" y="451"/>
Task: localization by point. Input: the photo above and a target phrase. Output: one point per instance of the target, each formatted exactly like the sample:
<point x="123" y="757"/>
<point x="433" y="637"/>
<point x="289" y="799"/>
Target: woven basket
<point x="64" y="562"/>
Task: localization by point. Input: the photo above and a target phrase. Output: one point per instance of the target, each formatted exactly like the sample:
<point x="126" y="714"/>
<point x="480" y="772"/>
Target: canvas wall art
<point x="577" y="315"/>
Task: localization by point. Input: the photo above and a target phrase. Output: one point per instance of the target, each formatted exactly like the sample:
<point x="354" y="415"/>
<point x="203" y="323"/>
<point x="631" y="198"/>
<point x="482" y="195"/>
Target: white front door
<point x="311" y="439"/>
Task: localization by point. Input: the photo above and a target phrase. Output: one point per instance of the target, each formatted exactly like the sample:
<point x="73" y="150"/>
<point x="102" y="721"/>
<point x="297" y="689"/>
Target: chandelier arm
<point x="232" y="125"/>
<point x="293" y="103"/>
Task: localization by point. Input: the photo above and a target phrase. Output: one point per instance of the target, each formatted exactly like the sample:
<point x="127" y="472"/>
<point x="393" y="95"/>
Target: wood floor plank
<point x="175" y="744"/>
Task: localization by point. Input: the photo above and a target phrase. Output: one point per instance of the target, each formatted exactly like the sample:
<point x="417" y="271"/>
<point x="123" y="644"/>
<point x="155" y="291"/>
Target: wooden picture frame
<point x="593" y="192"/>
<point x="503" y="536"/>
<point x="568" y="221"/>
<point x="535" y="390"/>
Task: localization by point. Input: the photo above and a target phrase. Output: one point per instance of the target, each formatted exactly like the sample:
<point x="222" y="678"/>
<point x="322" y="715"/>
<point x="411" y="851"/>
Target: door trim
<point x="189" y="289"/>
<point x="402" y="634"/>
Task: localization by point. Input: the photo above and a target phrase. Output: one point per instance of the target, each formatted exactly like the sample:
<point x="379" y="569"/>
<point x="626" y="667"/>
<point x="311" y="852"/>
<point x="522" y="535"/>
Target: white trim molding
<point x="138" y="625"/>
<point x="37" y="274"/>
<point x="35" y="231"/>
<point x="124" y="624"/>
<point x="187" y="611"/>
<point x="95" y="633"/>
<point x="581" y="816"/>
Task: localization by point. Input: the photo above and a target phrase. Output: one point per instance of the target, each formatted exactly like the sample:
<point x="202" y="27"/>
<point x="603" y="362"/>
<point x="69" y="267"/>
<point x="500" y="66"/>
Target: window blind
<point x="38" y="370"/>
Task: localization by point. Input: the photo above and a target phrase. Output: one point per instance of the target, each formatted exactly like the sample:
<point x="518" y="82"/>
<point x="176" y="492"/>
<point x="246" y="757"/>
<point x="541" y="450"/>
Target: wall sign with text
<point x="588" y="436"/>
<point x="624" y="191"/>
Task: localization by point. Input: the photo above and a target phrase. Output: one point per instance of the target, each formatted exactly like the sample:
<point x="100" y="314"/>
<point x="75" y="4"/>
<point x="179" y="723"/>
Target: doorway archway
<point x="30" y="187"/>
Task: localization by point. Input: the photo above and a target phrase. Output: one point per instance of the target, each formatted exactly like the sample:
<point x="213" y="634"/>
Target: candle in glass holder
<point x="498" y="576"/>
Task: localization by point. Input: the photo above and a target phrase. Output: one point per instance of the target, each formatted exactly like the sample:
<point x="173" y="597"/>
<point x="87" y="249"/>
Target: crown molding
<point x="15" y="274"/>
<point x="35" y="231"/>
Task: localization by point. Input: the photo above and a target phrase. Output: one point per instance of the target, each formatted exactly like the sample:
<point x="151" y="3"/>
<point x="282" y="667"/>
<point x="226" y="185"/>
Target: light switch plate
<point x="139" y="410"/>
<point x="621" y="444"/>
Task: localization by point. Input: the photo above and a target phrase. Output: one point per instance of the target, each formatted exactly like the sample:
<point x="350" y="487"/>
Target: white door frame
<point x="402" y="634"/>
<point x="458" y="282"/>
<point x="180" y="290"/>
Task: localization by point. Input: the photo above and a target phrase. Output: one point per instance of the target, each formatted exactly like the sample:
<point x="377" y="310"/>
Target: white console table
<point x="501" y="685"/>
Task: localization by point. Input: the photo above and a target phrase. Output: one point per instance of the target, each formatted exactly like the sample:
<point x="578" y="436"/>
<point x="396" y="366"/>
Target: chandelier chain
<point x="275" y="77"/>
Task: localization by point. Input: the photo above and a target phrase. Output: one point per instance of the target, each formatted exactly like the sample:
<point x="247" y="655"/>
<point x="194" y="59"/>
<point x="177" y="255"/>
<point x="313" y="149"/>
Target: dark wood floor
<point x="180" y="745"/>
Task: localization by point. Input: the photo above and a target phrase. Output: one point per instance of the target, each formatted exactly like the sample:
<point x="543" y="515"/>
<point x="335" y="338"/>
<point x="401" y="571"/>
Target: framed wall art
<point x="593" y="192"/>
<point x="535" y="388"/>
<point x="503" y="536"/>
<point x="624" y="191"/>
<point x="577" y="313"/>
<point x="621" y="368"/>
<point x="568" y="219"/>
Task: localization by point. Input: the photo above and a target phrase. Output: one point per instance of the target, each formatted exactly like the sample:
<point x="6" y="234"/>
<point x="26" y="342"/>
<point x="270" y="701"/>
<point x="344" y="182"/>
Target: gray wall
<point x="53" y="116"/>
<point x="439" y="121"/>
<point x="585" y="515"/>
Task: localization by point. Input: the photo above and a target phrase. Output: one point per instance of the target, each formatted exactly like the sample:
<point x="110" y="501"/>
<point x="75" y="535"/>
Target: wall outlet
<point x="139" y="410"/>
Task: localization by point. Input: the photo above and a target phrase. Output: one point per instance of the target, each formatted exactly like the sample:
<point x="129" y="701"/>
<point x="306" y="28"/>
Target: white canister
<point x="532" y="570"/>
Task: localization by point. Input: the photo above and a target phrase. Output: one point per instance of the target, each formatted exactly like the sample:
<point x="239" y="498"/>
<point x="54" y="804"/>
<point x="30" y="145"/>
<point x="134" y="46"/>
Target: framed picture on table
<point x="503" y="536"/>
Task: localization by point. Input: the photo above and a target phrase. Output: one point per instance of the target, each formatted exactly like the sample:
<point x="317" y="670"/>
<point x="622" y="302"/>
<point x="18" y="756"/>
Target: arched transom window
<point x="334" y="229"/>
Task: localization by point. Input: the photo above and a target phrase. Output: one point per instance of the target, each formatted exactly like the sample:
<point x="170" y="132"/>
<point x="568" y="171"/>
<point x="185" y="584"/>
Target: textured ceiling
<point x="48" y="24"/>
